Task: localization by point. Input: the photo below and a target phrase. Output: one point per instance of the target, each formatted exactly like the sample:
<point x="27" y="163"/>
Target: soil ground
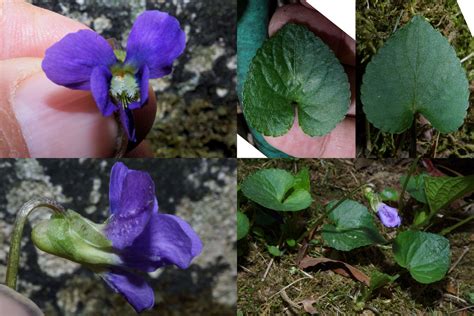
<point x="333" y="293"/>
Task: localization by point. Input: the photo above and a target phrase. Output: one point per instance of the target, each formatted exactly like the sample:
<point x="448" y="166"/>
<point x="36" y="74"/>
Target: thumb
<point x="41" y="119"/>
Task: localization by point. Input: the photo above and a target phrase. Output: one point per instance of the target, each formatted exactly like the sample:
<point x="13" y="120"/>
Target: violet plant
<point x="118" y="79"/>
<point x="135" y="238"/>
<point x="350" y="224"/>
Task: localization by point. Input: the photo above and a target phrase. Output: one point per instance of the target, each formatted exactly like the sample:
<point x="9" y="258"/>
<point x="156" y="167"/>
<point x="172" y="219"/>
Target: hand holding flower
<point x="40" y="118"/>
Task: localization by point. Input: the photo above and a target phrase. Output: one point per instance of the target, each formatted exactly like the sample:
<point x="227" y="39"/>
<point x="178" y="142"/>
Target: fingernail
<point x="59" y="122"/>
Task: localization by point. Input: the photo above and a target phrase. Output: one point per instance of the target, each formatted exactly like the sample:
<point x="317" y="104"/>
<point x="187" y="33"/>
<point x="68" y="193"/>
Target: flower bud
<point x="75" y="238"/>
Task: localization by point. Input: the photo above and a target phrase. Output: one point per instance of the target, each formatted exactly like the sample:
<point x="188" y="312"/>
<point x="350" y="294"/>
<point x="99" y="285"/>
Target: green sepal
<point x="73" y="237"/>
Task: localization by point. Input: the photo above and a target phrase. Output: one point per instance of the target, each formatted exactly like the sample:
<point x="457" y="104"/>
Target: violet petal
<point x="166" y="240"/>
<point x="100" y="80"/>
<point x="132" y="203"/>
<point x="156" y="40"/>
<point x="132" y="287"/>
<point x="144" y="78"/>
<point x="117" y="176"/>
<point x="388" y="215"/>
<point x="127" y="120"/>
<point x="70" y="61"/>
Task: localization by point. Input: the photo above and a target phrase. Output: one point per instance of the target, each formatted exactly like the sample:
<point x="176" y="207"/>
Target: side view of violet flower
<point x="135" y="238"/>
<point x="388" y="215"/>
<point x="118" y="79"/>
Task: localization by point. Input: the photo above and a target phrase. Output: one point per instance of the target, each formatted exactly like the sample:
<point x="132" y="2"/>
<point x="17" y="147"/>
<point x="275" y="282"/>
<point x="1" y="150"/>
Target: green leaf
<point x="379" y="279"/>
<point x="416" y="186"/>
<point x="389" y="194"/>
<point x="275" y="189"/>
<point x="416" y="71"/>
<point x="291" y="242"/>
<point x="421" y="216"/>
<point x="274" y="251"/>
<point x="441" y="191"/>
<point x="302" y="180"/>
<point x="470" y="297"/>
<point x="353" y="227"/>
<point x="292" y="69"/>
<point x="243" y="225"/>
<point x="425" y="255"/>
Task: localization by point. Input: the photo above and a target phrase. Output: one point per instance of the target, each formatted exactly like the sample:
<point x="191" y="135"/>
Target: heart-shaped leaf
<point x="416" y="70"/>
<point x="425" y="255"/>
<point x="274" y="251"/>
<point x="243" y="225"/>
<point x="302" y="180"/>
<point x="275" y="189"/>
<point x="292" y="69"/>
<point x="353" y="227"/>
<point x="416" y="186"/>
<point x="440" y="191"/>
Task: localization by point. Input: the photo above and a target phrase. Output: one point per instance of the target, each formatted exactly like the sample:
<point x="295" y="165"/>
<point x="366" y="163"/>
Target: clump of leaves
<point x="416" y="71"/>
<point x="425" y="255"/>
<point x="278" y="189"/>
<point x="435" y="193"/>
<point x="274" y="191"/>
<point x="295" y="69"/>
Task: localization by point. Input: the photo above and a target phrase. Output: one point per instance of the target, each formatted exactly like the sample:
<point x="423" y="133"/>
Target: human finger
<point x="27" y="30"/>
<point x="339" y="143"/>
<point x="41" y="119"/>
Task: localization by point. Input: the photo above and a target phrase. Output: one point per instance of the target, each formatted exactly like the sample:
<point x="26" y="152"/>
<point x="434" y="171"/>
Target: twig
<point x="454" y="298"/>
<point x="267" y="270"/>
<point x="247" y="270"/>
<point x="284" y="288"/>
<point x="466" y="249"/>
<point x="285" y="297"/>
<point x="451" y="228"/>
<point x="462" y="309"/>
<point x="398" y="22"/>
<point x="467" y="57"/>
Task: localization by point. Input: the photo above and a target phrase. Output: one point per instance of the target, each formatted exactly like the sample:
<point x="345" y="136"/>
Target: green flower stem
<point x="447" y="230"/>
<point x="15" y="245"/>
<point x="309" y="233"/>
<point x="410" y="172"/>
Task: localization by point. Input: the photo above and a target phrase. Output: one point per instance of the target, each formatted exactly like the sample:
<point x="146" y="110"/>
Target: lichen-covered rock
<point x="202" y="191"/>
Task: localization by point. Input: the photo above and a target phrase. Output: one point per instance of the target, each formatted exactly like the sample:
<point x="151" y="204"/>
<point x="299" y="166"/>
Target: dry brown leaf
<point x="337" y="266"/>
<point x="308" y="306"/>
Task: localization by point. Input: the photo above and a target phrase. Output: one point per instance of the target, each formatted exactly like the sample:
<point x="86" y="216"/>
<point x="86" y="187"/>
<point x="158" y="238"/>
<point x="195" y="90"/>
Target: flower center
<point x="124" y="88"/>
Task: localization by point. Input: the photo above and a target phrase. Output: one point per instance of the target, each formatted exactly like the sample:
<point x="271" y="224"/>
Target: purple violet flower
<point x="118" y="79"/>
<point x="388" y="215"/>
<point x="144" y="238"/>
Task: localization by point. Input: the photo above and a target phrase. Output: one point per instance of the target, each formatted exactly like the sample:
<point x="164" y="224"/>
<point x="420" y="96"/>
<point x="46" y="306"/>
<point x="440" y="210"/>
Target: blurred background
<point x="201" y="191"/>
<point x="196" y="116"/>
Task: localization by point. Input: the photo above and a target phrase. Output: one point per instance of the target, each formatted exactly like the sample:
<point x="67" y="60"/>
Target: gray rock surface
<point x="196" y="103"/>
<point x="201" y="191"/>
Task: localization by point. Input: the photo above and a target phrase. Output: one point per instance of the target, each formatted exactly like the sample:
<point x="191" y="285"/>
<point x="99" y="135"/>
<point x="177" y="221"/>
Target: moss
<point x="198" y="129"/>
<point x="376" y="21"/>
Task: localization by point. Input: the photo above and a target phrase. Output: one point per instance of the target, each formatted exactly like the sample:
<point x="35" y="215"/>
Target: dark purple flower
<point x="388" y="215"/>
<point x="118" y="79"/>
<point x="144" y="238"/>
